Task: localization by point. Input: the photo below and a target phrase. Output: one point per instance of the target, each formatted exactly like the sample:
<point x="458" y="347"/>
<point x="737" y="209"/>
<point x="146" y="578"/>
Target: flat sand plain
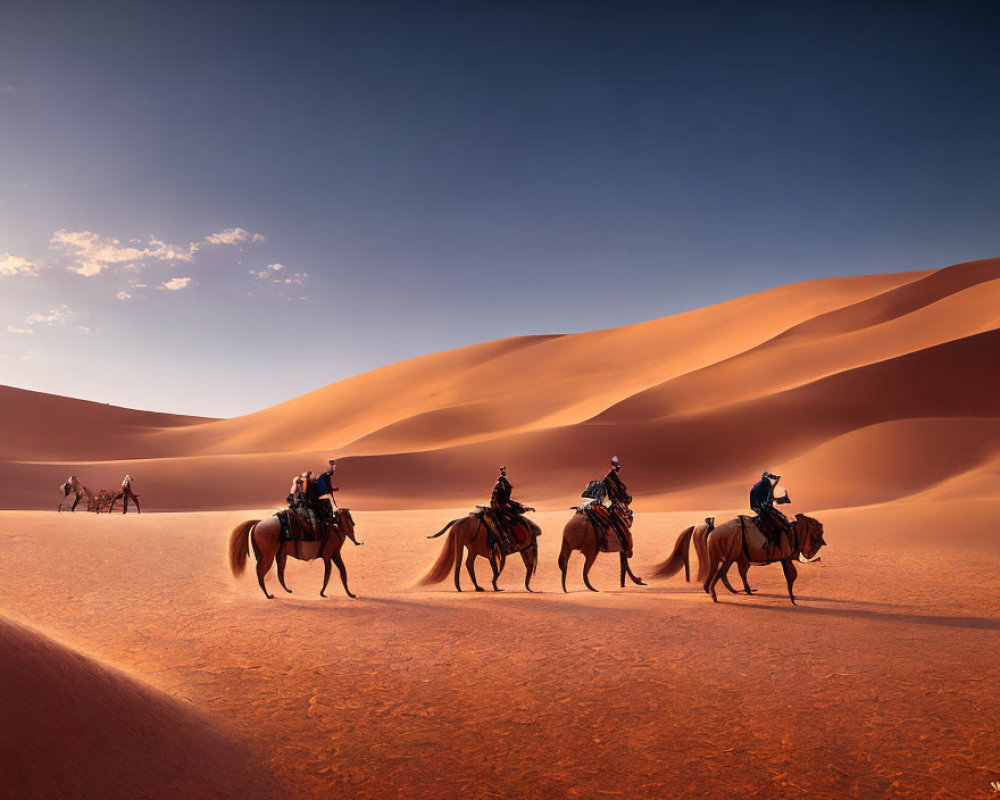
<point x="883" y="682"/>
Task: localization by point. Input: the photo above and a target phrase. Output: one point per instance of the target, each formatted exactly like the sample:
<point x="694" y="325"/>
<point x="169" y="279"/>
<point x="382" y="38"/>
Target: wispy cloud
<point x="19" y="331"/>
<point x="276" y="279"/>
<point x="123" y="295"/>
<point x="54" y="316"/>
<point x="235" y="236"/>
<point x="93" y="253"/>
<point x="175" y="284"/>
<point x="17" y="265"/>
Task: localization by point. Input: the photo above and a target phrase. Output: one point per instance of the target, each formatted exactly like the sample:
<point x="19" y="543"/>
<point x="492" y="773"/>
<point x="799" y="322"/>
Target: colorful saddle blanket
<point x="511" y="538"/>
<point x="611" y="527"/>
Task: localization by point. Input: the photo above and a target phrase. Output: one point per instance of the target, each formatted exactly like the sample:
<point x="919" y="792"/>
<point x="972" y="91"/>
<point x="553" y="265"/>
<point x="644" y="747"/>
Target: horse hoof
<point x="322" y="594"/>
<point x="352" y="596"/>
<point x="480" y="589"/>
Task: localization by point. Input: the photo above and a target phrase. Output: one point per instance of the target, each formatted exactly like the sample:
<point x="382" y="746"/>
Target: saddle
<point x="760" y="547"/>
<point x="303" y="525"/>
<point x="605" y="520"/>
<point x="510" y="538"/>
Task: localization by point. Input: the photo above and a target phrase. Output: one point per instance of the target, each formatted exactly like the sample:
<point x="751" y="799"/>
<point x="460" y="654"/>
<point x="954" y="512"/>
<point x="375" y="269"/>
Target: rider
<point x="323" y="488"/>
<point x="126" y="491"/>
<point x="618" y="500"/>
<point x="505" y="510"/>
<point x="762" y="501"/>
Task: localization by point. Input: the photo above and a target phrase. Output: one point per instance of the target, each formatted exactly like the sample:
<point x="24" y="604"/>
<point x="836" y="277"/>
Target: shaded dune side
<point x="75" y="728"/>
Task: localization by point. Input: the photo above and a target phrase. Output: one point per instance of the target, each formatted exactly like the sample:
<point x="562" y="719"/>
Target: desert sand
<point x="874" y="396"/>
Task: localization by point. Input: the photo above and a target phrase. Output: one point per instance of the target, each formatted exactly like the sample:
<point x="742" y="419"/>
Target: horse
<point x="77" y="489"/>
<point x="125" y="495"/>
<point x="265" y="539"/>
<point x="729" y="544"/>
<point x="580" y="534"/>
<point x="470" y="533"/>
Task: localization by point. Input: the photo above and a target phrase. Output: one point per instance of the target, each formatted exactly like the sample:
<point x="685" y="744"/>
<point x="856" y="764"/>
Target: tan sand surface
<point x="884" y="682"/>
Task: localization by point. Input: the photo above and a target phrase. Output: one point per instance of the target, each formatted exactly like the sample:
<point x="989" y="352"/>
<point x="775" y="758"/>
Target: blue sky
<point x="213" y="207"/>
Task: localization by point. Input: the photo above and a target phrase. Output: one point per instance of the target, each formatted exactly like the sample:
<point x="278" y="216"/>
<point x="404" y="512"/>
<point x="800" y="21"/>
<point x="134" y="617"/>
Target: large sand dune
<point x="695" y="404"/>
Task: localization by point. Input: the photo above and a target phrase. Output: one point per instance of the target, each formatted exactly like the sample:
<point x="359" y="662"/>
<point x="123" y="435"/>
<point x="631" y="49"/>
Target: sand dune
<point x="696" y="405"/>
<point x="76" y="728"/>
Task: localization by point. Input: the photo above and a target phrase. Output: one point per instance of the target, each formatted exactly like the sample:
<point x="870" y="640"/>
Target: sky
<point x="209" y="208"/>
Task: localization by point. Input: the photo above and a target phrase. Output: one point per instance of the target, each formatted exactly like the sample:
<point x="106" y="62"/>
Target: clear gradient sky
<point x="213" y="207"/>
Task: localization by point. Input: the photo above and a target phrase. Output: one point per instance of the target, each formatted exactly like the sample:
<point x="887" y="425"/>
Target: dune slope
<point x="698" y="402"/>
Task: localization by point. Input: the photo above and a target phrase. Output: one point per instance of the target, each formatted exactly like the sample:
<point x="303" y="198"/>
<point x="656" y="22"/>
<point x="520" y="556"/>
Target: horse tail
<point x="678" y="558"/>
<point x="239" y="546"/>
<point x="442" y="567"/>
<point x="435" y="535"/>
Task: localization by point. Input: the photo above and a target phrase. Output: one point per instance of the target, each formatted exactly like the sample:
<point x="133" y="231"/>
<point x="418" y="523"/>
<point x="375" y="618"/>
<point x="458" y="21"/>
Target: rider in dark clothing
<point x="504" y="509"/>
<point x="320" y="488"/>
<point x="762" y="502"/>
<point x="619" y="500"/>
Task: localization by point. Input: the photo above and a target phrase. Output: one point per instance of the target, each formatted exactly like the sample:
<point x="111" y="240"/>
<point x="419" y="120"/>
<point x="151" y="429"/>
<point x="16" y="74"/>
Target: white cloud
<point x="19" y="331"/>
<point x="123" y="295"/>
<point x="175" y="284"/>
<point x="54" y="316"/>
<point x="275" y="267"/>
<point x="235" y="236"/>
<point x="93" y="253"/>
<point x="17" y="265"/>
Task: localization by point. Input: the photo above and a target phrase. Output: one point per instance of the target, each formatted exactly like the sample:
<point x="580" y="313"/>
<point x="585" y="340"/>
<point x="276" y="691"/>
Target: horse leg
<point x="497" y="570"/>
<point x="76" y="502"/>
<point x="564" y="561"/>
<point x="339" y="561"/>
<point x="744" y="568"/>
<point x="622" y="570"/>
<point x="719" y="573"/>
<point x="282" y="558"/>
<point x="788" y="567"/>
<point x="458" y="560"/>
<point x="264" y="561"/>
<point x="470" y="562"/>
<point x="710" y="572"/>
<point x="590" y="558"/>
<point x="528" y="557"/>
<point x="326" y="576"/>
<point x="724" y="576"/>
<point x="636" y="580"/>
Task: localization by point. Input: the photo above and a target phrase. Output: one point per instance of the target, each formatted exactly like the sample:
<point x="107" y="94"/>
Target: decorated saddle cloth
<point x="302" y="525"/>
<point x="610" y="527"/>
<point x="512" y="538"/>
<point x="758" y="547"/>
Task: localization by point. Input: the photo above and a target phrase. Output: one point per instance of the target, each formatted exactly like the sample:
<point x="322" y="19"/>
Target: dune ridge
<point x="816" y="379"/>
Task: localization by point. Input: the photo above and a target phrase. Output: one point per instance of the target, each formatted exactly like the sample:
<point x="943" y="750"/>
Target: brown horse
<point x="739" y="542"/>
<point x="469" y="533"/>
<point x="265" y="538"/>
<point x="580" y="534"/>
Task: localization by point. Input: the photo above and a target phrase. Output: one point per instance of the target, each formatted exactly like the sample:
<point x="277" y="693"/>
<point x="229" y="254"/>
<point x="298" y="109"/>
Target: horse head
<point x="345" y="523"/>
<point x="810" y="532"/>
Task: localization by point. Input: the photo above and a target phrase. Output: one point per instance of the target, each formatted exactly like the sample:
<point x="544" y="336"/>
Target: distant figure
<point x="77" y="489"/>
<point x="126" y="493"/>
<point x="762" y="500"/>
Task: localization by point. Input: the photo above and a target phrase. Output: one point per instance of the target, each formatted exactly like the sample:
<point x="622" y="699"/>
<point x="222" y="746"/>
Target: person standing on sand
<point x="762" y="501"/>
<point x="127" y="493"/>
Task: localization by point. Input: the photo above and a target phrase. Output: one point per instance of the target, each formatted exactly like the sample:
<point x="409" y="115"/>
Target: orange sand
<point x="883" y="683"/>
